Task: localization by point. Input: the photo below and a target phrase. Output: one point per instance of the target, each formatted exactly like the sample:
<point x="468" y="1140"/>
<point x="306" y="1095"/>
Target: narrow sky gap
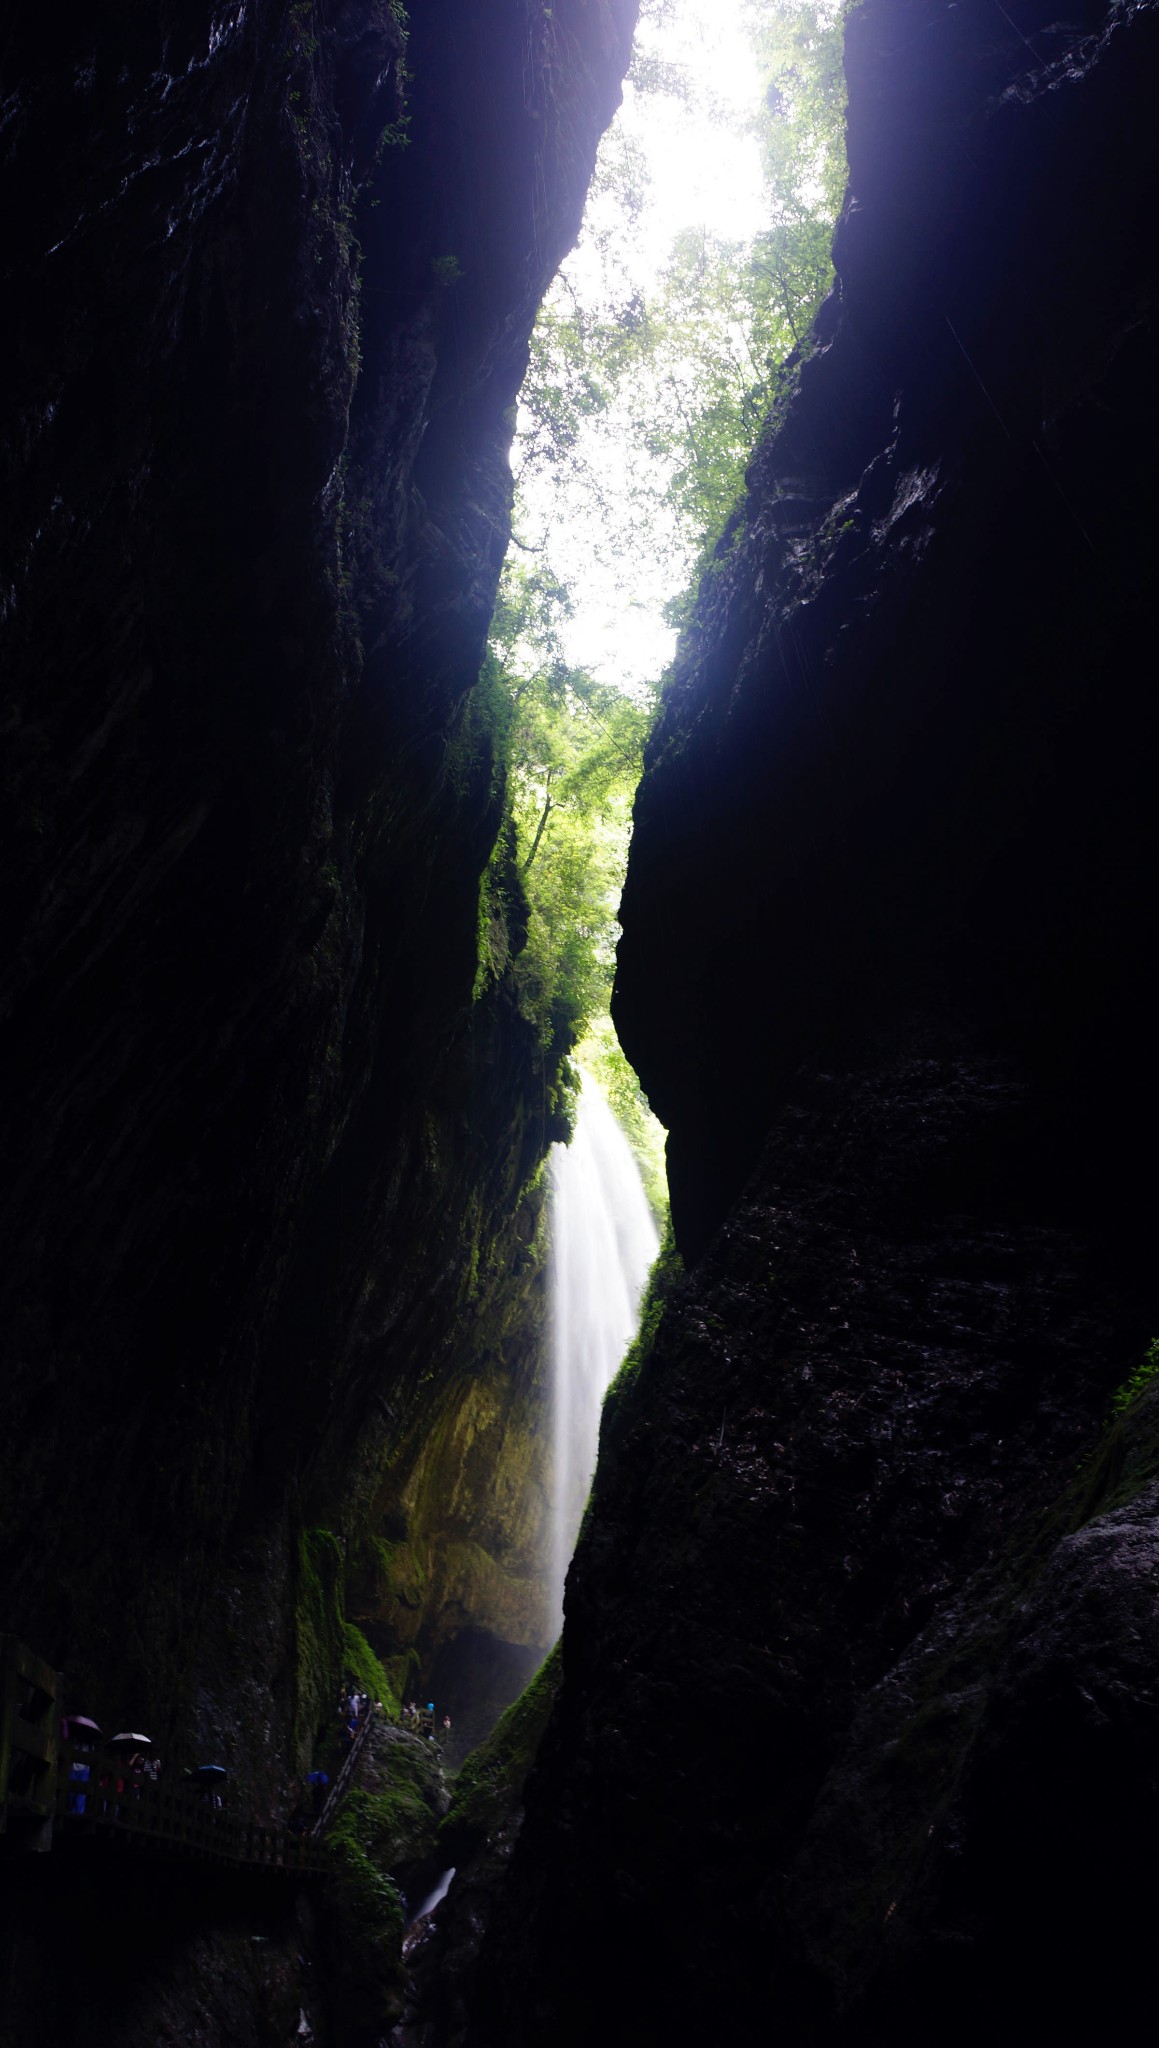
<point x="701" y="168"/>
<point x="704" y="252"/>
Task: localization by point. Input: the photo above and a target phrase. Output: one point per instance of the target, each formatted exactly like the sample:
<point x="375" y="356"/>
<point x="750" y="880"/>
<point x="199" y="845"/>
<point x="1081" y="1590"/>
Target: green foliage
<point x="602" y="1056"/>
<point x="490" y="1784"/>
<point x="364" y="1668"/>
<point x="1145" y="1375"/>
<point x="681" y="377"/>
<point x="404" y="1674"/>
<point x="573" y="749"/>
<point x="577" y="748"/>
<point x="800" y="50"/>
<point x="665" y="1276"/>
<point x="396" y="1826"/>
<point x="367" y="1913"/>
<point x="329" y="1649"/>
<point x="503" y="910"/>
<point x="640" y="410"/>
<point x="476" y="758"/>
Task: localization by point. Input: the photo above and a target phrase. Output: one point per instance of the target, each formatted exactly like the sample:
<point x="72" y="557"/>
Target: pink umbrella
<point x="78" y="1727"/>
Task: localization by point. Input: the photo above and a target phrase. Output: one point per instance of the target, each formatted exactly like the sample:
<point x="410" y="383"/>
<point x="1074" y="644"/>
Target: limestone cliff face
<point x="905" y="738"/>
<point x="447" y="1582"/>
<point x="858" y="1697"/>
<point x="269" y="276"/>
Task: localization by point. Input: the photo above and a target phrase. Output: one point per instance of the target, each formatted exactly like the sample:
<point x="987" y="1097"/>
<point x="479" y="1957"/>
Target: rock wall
<point x="891" y="715"/>
<point x="858" y="1706"/>
<point x="270" y="271"/>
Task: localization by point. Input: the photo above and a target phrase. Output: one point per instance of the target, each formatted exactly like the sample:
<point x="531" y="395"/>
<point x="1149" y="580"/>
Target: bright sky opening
<point x="702" y="169"/>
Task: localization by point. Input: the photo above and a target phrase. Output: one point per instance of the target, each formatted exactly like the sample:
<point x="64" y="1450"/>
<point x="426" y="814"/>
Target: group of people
<point x="130" y="1761"/>
<point x="354" y="1708"/>
<point x="421" y="1721"/>
<point x="129" y="1764"/>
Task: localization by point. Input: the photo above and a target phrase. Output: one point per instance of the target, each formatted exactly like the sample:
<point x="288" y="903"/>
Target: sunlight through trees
<point x="658" y="354"/>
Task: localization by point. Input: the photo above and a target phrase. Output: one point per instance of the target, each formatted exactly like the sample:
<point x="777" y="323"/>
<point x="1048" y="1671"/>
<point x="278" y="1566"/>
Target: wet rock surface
<point x="902" y="758"/>
<point x="272" y="272"/>
<point x="158" y="1957"/>
<point x="476" y="1842"/>
<point x="858" y="1713"/>
<point x="269" y="276"/>
<point x="827" y="1604"/>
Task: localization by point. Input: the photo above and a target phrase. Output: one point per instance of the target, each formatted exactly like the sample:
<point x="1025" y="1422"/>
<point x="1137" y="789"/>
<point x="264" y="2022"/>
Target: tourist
<point x="78" y="1774"/>
<point x="80" y="1732"/>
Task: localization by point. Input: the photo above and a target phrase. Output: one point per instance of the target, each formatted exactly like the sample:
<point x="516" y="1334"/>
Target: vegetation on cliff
<point x="331" y="1651"/>
<point x="652" y="373"/>
<point x="648" y="385"/>
<point x="665" y="1276"/>
<point x="1144" y="1376"/>
<point x="490" y="1785"/>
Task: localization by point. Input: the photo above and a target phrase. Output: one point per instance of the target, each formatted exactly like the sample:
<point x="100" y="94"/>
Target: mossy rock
<point x="402" y="1800"/>
<point x="665" y="1276"/>
<point x="365" y="1918"/>
<point x="382" y="1831"/>
<point x="368" y="1674"/>
<point x="490" y="1784"/>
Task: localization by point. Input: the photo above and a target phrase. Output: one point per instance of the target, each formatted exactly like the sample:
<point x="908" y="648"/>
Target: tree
<point x="574" y="750"/>
<point x="642" y="404"/>
<point x="645" y="394"/>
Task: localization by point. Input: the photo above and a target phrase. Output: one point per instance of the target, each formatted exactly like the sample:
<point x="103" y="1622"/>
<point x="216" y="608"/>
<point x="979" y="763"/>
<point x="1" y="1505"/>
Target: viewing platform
<point x="45" y="1799"/>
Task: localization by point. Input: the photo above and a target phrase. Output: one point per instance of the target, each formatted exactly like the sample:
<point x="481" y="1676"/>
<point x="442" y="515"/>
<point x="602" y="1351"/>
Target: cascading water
<point x="603" y="1240"/>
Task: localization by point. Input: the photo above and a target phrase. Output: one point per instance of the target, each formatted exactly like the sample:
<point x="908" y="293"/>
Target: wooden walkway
<point x="43" y="1797"/>
<point x="110" y="1807"/>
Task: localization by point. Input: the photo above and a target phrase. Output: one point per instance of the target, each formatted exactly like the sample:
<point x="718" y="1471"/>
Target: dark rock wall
<point x="269" y="275"/>
<point x="906" y="739"/>
<point x="855" y="1735"/>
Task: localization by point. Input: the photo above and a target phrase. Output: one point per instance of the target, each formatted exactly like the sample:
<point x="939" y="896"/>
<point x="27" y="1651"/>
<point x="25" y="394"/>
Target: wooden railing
<point x="43" y="1791"/>
<point x="113" y="1801"/>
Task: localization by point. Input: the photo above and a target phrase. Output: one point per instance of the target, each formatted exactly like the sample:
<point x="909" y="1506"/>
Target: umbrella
<point x="211" y="1771"/>
<point x="317" y="1778"/>
<point x="71" y="1722"/>
<point x="138" y="1741"/>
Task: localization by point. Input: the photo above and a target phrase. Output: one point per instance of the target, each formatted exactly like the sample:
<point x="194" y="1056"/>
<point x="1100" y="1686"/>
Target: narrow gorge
<point x="850" y="1733"/>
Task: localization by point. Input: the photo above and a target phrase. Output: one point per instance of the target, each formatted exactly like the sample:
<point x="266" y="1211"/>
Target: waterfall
<point x="603" y="1241"/>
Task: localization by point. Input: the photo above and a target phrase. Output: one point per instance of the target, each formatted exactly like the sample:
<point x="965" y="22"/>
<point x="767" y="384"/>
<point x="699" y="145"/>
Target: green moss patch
<point x="364" y="1668"/>
<point x="1146" y="1373"/>
<point x="366" y="1916"/>
<point x="665" y="1276"/>
<point x="490" y="1784"/>
<point x="404" y="1674"/>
